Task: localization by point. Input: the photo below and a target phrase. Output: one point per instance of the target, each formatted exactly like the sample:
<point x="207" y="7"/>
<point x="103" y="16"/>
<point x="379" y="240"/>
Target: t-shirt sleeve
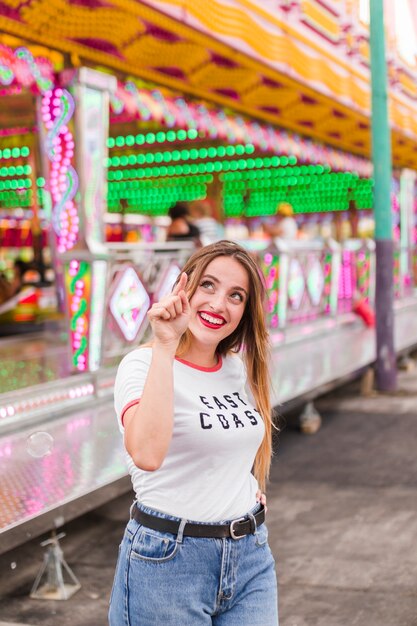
<point x="130" y="381"/>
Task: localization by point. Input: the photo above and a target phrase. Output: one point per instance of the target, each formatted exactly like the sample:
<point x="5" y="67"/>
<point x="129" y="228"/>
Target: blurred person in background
<point x="181" y="228"/>
<point x="286" y="226"/>
<point x="210" y="229"/>
<point x="9" y="288"/>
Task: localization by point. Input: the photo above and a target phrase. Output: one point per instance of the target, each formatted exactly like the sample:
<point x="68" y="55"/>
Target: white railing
<point x="305" y="281"/>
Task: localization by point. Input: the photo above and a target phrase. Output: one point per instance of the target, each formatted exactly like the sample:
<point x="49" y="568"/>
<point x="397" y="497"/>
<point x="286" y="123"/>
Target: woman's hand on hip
<point x="261" y="497"/>
<point x="170" y="316"/>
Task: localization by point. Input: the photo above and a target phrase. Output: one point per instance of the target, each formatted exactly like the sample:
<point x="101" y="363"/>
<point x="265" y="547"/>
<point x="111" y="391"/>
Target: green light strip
<point x="195" y="168"/>
<point x="147" y="158"/>
<point x="18" y="170"/>
<point x="304" y="170"/>
<point x="20" y="198"/>
<point x="15" y="183"/>
<point x="244" y="193"/>
<point x="161" y="183"/>
<point x="150" y="138"/>
<point x="14" y="153"/>
<point x="145" y="193"/>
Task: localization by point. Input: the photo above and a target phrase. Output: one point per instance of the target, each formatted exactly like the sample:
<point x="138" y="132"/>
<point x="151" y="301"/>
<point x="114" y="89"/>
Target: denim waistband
<point x="157" y="513"/>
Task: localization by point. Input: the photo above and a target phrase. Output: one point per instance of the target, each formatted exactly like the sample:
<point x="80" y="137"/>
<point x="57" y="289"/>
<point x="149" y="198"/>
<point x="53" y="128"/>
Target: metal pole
<point x="386" y="365"/>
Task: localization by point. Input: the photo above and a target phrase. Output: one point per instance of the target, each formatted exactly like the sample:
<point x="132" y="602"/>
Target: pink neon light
<point x="26" y="70"/>
<point x="57" y="110"/>
<point x="8" y="132"/>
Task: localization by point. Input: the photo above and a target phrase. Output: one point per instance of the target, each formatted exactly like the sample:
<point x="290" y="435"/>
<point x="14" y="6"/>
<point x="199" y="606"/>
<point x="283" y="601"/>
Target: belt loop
<point x="253" y="524"/>
<point x="132" y="508"/>
<point x="180" y="533"/>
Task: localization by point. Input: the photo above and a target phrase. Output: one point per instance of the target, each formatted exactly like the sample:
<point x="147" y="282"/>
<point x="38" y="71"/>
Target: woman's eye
<point x="207" y="284"/>
<point x="237" y="296"/>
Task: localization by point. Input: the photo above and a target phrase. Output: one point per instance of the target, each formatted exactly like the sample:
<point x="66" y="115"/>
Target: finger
<point x="180" y="284"/>
<point x="261" y="497"/>
<point x="172" y="303"/>
<point x="162" y="315"/>
<point x="170" y="307"/>
<point x="159" y="312"/>
<point x="178" y="305"/>
<point x="184" y="302"/>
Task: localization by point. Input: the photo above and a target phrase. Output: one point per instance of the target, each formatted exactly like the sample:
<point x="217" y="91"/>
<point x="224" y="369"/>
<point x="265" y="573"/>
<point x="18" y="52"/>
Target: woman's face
<point x="219" y="301"/>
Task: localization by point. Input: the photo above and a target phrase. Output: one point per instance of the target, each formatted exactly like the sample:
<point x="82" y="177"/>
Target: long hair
<point x="251" y="335"/>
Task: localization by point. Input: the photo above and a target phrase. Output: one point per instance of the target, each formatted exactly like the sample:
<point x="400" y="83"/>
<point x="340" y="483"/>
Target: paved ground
<point x="342" y="518"/>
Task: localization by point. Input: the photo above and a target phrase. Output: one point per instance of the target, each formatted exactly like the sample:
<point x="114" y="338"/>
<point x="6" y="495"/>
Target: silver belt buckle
<point x="232" y="530"/>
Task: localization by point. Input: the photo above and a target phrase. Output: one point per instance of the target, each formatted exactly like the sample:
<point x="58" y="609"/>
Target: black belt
<point x="237" y="528"/>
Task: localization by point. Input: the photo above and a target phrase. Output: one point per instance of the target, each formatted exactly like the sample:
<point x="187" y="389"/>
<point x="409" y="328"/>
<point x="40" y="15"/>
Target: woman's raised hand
<point x="170" y="316"/>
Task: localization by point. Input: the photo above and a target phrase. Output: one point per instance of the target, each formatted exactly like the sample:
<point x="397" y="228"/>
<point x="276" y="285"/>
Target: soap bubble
<point x="39" y="444"/>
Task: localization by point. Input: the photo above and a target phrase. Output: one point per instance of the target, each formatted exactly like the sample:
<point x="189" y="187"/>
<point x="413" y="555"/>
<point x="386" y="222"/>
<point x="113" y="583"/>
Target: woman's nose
<point x="217" y="303"/>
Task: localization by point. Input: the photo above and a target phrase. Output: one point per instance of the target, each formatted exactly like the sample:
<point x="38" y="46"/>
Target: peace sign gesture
<point x="170" y="316"/>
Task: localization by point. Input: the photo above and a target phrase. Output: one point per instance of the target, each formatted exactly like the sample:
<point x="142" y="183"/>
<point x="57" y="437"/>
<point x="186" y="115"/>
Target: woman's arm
<point x="148" y="425"/>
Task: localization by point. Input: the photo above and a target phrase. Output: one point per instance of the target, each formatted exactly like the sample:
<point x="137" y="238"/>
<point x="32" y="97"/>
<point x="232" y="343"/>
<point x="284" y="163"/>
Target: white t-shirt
<point x="206" y="474"/>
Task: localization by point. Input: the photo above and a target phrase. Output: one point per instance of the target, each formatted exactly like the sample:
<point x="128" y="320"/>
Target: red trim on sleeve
<point x="128" y="405"/>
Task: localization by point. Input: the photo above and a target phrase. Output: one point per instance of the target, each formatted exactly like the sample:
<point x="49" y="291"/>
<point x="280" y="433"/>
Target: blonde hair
<point x="251" y="335"/>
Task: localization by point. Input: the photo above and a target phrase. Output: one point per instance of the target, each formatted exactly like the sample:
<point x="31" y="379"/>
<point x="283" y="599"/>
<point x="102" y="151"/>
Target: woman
<point x="195" y="552"/>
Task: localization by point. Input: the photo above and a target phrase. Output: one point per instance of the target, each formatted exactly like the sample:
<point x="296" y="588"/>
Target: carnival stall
<point x="98" y="140"/>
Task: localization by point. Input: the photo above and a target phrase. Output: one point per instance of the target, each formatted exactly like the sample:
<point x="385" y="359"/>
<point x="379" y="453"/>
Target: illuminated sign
<point x="129" y="304"/>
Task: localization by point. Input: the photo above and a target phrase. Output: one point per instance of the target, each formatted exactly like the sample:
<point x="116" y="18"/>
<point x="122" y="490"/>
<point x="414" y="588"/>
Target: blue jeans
<point x="171" y="580"/>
